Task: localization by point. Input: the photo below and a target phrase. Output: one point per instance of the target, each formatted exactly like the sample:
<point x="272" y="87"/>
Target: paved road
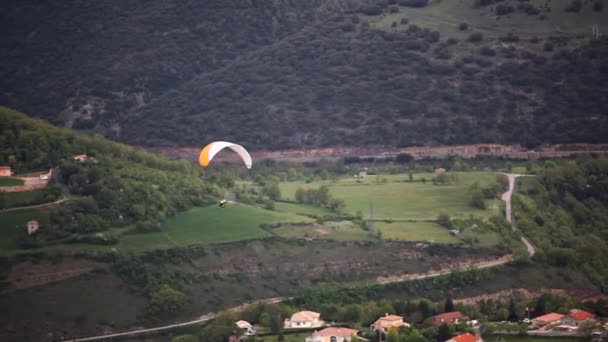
<point x="507" y="198"/>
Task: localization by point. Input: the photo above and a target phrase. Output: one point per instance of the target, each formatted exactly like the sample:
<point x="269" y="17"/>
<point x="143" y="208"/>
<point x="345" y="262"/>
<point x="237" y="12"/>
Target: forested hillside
<point x="565" y="214"/>
<point x="293" y="74"/>
<point x="115" y="186"/>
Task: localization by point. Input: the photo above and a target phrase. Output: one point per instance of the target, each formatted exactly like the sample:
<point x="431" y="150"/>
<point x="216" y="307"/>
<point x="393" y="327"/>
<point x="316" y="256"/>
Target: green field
<point x="415" y="231"/>
<point x="303" y="209"/>
<point x="24" y="198"/>
<point x="12" y="221"/>
<point x="445" y="16"/>
<point x="10" y="181"/>
<point x="341" y="231"/>
<point x="209" y="225"/>
<point x="396" y="199"/>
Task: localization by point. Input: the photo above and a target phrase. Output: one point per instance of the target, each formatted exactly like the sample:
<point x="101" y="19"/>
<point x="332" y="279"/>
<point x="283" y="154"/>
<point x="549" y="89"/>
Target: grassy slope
<point x="415" y="231"/>
<point x="24" y="198"/>
<point x="209" y="225"/>
<point x="445" y="17"/>
<point x="12" y="221"/>
<point x="10" y="181"/>
<point x="402" y="200"/>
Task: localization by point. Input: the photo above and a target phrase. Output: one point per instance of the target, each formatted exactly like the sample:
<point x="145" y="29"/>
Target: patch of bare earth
<point x="27" y="274"/>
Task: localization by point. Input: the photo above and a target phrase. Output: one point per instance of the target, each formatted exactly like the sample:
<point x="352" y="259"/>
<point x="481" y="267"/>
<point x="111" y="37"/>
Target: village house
<point x="548" y="320"/>
<point x="80" y="157"/>
<point x="32" y="227"/>
<point x="247" y="327"/>
<point x="5" y="171"/>
<point x="576" y="317"/>
<point x="466" y="337"/>
<point x="387" y="321"/>
<point x="332" y="334"/>
<point x="304" y="319"/>
<point x="453" y="317"/>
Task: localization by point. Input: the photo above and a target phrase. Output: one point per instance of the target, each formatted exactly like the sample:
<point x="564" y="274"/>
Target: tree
<point x="403" y="158"/>
<point x="443" y="219"/>
<point x="265" y="320"/>
<point x="512" y="311"/>
<point x="272" y="190"/>
<point x="165" y="301"/>
<point x="392" y="335"/>
<point x="449" y="305"/>
<point x="411" y="176"/>
<point x="444" y="332"/>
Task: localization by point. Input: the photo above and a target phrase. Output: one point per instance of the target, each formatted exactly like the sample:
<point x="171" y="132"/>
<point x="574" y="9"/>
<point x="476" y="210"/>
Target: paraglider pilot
<point x="222" y="203"/>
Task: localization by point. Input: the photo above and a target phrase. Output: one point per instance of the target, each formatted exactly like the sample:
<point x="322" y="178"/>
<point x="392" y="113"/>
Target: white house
<point x="387" y="321"/>
<point x="247" y="327"/>
<point x="304" y="319"/>
<point x="332" y="334"/>
<point x="32" y="227"/>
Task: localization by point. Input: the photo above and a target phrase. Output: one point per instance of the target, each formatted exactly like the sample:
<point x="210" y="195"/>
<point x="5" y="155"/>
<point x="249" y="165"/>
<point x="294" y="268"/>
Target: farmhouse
<point x="332" y="334"/>
<point x="387" y="321"/>
<point x="550" y="319"/>
<point x="5" y="171"/>
<point x="576" y="317"/>
<point x="453" y="317"/>
<point x="32" y="227"/>
<point x="247" y="327"/>
<point x="304" y="319"/>
<point x="464" y="338"/>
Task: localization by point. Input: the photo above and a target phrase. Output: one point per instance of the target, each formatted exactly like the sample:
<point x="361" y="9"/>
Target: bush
<point x="504" y="9"/>
<point x="463" y="26"/>
<point x="574" y="6"/>
<point x="487" y="51"/>
<point x="598" y="6"/>
<point x="393" y="9"/>
<point x="414" y="3"/>
<point x="404" y="21"/>
<point x="371" y="10"/>
<point x="475" y="37"/>
<point x="147" y="227"/>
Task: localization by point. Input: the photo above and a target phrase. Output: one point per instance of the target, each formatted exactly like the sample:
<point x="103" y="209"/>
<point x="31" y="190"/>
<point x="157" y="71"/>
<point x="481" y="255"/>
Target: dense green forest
<point x="564" y="211"/>
<point x="292" y="74"/>
<point x="116" y="186"/>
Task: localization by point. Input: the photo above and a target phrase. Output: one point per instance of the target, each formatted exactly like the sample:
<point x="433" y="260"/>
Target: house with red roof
<point x="550" y="319"/>
<point x="466" y="337"/>
<point x="452" y="317"/>
<point x="387" y="321"/>
<point x="576" y="317"/>
<point x="5" y="171"/>
<point x="332" y="334"/>
<point x="81" y="157"/>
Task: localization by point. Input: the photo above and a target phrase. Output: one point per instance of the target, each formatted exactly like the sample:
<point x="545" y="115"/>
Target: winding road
<point x="208" y="317"/>
<point x="507" y="198"/>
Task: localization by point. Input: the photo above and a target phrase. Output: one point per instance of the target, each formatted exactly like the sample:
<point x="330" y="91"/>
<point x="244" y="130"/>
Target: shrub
<point x="414" y="3"/>
<point x="463" y="26"/>
<point x="574" y="6"/>
<point x="504" y="9"/>
<point x="404" y="21"/>
<point x="487" y="51"/>
<point x="598" y="6"/>
<point x="475" y="37"/>
<point x="393" y="9"/>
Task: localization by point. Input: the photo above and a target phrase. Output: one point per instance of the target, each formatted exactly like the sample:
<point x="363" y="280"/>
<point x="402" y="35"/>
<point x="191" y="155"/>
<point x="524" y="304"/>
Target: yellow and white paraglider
<point x="209" y="151"/>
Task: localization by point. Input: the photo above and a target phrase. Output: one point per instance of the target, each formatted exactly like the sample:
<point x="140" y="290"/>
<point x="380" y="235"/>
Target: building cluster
<point x="562" y="323"/>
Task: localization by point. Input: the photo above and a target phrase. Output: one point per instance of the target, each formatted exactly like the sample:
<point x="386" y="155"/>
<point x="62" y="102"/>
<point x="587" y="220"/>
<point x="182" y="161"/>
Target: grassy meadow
<point x="397" y="199"/>
<point x="334" y="230"/>
<point x="415" y="231"/>
<point x="13" y="221"/>
<point x="210" y="224"/>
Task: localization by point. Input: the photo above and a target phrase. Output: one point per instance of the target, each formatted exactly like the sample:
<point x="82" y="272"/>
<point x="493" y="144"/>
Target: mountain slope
<point x="293" y="74"/>
<point x="346" y="84"/>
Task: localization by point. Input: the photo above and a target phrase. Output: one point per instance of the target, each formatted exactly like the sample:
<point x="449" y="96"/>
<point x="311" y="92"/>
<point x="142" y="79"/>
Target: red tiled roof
<point x="464" y="338"/>
<point x="606" y="326"/>
<point x="580" y="315"/>
<point x="548" y="318"/>
<point x="447" y="317"/>
<point x="334" y="331"/>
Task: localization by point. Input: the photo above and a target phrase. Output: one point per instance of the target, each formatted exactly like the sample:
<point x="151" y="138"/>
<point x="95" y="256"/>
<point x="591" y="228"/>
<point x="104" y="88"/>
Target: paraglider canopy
<point x="209" y="151"/>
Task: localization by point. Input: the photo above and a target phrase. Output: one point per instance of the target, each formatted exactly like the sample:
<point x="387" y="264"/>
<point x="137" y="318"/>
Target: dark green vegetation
<point x="312" y="73"/>
<point x="116" y="186"/>
<point x="564" y="211"/>
<point x="10" y="181"/>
